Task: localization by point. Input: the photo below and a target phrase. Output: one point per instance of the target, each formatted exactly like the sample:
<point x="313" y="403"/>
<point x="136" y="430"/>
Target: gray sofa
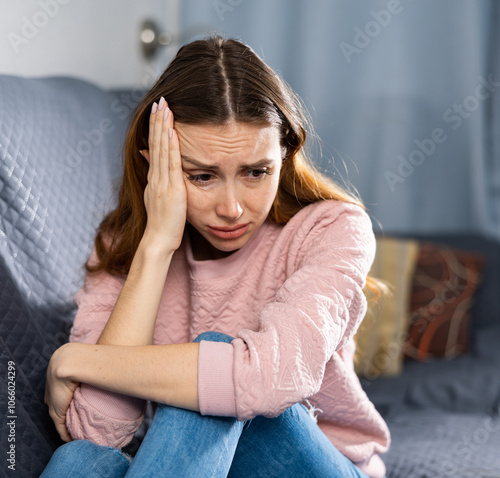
<point x="444" y="414"/>
<point x="60" y="156"/>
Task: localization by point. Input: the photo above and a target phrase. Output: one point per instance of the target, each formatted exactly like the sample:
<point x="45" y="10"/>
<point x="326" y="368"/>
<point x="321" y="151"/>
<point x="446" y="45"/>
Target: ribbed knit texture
<point x="292" y="298"/>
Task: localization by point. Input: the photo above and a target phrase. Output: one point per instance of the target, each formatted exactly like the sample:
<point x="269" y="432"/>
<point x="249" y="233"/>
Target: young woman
<point x="226" y="288"/>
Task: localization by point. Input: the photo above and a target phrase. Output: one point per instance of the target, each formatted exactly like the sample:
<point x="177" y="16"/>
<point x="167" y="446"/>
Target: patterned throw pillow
<point x="381" y="336"/>
<point x="443" y="288"/>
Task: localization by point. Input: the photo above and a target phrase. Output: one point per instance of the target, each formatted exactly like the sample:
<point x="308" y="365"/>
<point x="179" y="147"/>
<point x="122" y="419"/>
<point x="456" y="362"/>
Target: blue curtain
<point x="404" y="96"/>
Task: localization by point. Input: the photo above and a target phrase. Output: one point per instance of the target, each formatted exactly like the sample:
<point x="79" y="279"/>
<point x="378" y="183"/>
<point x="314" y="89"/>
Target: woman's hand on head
<point x="59" y="390"/>
<point x="165" y="194"/>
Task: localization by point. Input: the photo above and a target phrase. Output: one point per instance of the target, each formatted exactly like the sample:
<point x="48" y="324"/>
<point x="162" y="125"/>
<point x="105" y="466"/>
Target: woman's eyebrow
<point x="259" y="164"/>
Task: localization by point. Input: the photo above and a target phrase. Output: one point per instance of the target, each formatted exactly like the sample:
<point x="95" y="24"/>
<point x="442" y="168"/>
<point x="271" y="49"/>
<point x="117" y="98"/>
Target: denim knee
<point x="212" y="336"/>
<point x="87" y="446"/>
<point x="85" y="458"/>
<point x="77" y="447"/>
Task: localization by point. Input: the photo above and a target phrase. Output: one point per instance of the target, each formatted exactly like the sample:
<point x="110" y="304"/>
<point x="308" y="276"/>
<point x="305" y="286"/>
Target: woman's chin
<point x="226" y="246"/>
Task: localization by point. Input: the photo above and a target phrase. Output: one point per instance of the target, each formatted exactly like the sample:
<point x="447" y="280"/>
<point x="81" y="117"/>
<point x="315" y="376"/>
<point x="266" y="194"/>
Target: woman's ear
<point x="145" y="154"/>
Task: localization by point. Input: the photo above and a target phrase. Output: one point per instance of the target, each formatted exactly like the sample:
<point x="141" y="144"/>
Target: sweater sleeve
<point x="104" y="417"/>
<point x="315" y="312"/>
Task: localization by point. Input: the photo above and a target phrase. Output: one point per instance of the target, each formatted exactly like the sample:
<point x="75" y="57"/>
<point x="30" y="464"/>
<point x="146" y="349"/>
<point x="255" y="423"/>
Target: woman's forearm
<point x="161" y="373"/>
<point x="133" y="319"/>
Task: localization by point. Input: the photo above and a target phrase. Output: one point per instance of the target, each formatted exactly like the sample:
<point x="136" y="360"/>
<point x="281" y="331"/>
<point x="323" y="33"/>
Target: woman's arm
<point x="133" y="319"/>
<point x="162" y="373"/>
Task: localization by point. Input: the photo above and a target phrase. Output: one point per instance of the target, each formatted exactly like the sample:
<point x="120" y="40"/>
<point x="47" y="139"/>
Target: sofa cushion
<point x="60" y="153"/>
<point x="380" y="337"/>
<point x="443" y="290"/>
<point x="485" y="312"/>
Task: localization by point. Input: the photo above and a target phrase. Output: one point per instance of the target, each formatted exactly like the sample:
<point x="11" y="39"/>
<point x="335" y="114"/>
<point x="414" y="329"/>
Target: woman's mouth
<point x="231" y="232"/>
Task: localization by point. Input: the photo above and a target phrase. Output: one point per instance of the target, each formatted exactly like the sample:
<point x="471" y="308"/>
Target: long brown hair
<point x="215" y="81"/>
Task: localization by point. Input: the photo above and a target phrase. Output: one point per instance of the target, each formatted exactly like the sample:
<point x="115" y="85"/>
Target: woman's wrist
<point x="151" y="257"/>
<point x="155" y="248"/>
<point x="73" y="361"/>
<point x="63" y="360"/>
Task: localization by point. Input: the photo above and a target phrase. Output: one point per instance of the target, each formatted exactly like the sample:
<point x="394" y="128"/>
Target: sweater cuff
<point x="215" y="379"/>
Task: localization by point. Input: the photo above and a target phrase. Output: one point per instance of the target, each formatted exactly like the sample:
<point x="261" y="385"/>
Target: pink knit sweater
<point x="292" y="298"/>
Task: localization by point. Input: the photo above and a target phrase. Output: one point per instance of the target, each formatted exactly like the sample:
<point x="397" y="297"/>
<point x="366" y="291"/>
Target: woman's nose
<point x="229" y="205"/>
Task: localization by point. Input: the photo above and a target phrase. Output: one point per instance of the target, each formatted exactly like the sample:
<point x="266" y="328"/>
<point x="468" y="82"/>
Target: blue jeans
<point x="182" y="443"/>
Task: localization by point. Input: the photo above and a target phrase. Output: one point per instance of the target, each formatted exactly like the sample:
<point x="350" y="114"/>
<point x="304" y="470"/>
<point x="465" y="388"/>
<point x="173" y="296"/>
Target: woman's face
<point x="232" y="175"/>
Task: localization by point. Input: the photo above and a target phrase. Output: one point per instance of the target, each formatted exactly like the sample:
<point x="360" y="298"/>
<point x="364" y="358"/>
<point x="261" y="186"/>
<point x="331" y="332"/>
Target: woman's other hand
<point x="59" y="391"/>
<point x="165" y="194"/>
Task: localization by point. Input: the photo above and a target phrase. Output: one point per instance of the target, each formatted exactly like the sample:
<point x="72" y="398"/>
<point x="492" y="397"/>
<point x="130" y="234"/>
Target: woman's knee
<point x="76" y="448"/>
<point x="85" y="458"/>
<point x="89" y="448"/>
<point x="212" y="336"/>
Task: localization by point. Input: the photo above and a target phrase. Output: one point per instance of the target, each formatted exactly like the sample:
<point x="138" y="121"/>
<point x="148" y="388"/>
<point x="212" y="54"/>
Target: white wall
<point x="92" y="39"/>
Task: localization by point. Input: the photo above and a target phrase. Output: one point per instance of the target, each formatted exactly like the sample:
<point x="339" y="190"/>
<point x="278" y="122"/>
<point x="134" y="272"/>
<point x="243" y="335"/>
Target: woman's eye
<point x="257" y="173"/>
<point x="200" y="178"/>
<point x="207" y="178"/>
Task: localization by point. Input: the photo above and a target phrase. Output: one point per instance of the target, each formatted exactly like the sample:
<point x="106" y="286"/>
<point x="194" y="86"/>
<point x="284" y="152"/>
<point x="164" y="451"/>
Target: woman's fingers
<point x="161" y="119"/>
<point x="151" y="138"/>
<point x="165" y="195"/>
<point x="175" y="161"/>
<point x="154" y="149"/>
<point x="59" y="422"/>
<point x="165" y="142"/>
<point x="63" y="432"/>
